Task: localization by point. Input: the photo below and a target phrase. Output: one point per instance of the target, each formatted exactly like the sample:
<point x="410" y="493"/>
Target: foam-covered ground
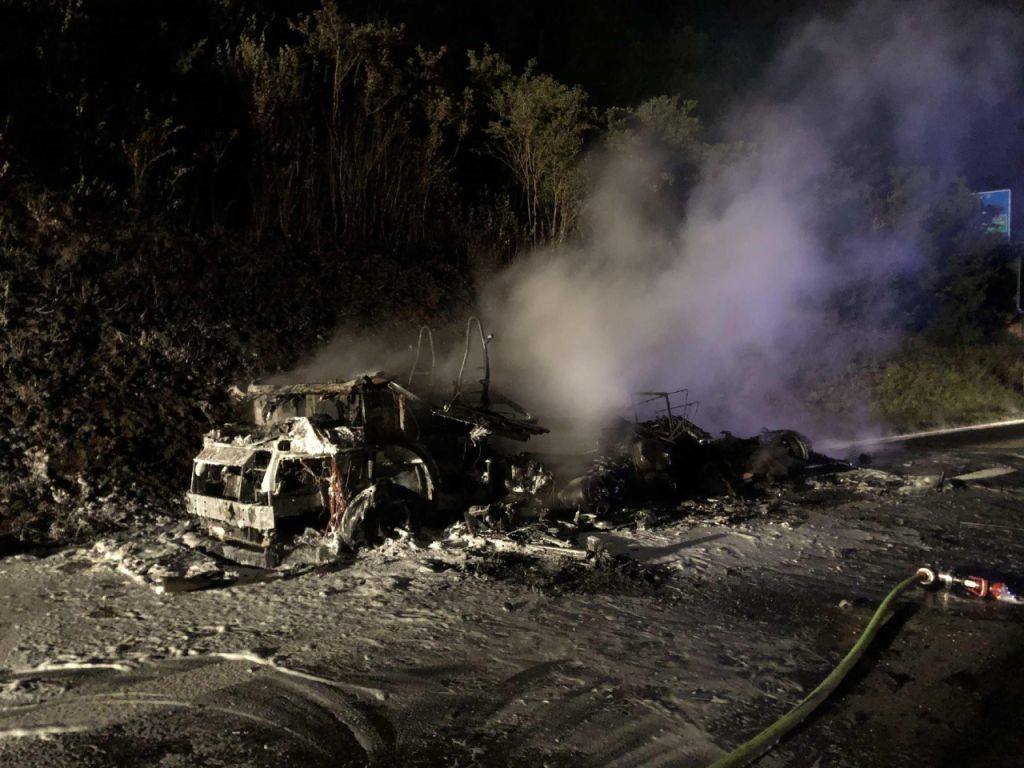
<point x="679" y="642"/>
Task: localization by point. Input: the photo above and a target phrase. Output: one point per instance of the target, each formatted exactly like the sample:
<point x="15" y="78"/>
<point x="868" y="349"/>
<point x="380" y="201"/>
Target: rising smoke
<point x="742" y="294"/>
<point x="353" y="352"/>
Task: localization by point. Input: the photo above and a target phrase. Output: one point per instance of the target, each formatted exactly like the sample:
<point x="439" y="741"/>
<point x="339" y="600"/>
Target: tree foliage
<point x="538" y="130"/>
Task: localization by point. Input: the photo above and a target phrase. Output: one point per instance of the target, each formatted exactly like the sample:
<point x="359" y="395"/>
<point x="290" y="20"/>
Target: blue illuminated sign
<point x="995" y="207"/>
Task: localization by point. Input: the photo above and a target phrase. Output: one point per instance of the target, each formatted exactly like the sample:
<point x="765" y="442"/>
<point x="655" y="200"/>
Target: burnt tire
<point x="373" y="516"/>
<point x="793" y="443"/>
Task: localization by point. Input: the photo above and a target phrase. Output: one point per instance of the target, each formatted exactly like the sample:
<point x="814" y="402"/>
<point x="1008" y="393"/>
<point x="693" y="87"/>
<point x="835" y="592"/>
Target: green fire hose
<point x="748" y="752"/>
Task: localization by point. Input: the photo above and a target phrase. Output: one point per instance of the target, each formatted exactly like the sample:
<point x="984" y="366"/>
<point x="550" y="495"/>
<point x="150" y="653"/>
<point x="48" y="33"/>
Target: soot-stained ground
<point x="672" y="644"/>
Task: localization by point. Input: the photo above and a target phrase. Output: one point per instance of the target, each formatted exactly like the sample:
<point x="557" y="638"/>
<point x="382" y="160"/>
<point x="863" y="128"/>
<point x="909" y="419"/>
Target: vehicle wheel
<point x="795" y="444"/>
<point x="376" y="513"/>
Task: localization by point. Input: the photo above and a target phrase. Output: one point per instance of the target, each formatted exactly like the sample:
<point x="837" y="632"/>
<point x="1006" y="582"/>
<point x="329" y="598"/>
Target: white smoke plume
<point x="398" y="352"/>
<point x="740" y="293"/>
<point x="350" y="352"/>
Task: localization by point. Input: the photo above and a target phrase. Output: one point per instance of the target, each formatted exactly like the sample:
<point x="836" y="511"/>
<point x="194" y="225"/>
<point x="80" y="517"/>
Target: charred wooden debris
<point x="360" y="458"/>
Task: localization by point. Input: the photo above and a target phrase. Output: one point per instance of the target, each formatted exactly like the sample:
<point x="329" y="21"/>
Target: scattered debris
<point x="163" y="563"/>
<point x="602" y="574"/>
<point x="873" y="481"/>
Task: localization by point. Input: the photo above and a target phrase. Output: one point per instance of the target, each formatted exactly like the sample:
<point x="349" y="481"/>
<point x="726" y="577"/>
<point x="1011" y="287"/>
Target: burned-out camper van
<point x="356" y="457"/>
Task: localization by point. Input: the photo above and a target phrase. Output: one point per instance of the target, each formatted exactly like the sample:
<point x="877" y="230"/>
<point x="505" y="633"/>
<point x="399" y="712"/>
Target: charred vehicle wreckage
<point x="357" y="459"/>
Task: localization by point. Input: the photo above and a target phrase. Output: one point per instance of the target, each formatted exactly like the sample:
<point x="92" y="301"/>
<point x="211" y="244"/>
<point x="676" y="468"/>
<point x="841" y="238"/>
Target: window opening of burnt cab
<point x="242" y="482"/>
<point x="254" y="472"/>
<point x="297" y="486"/>
<point x="324" y="409"/>
<point x="271" y="408"/>
<point x="382" y="414"/>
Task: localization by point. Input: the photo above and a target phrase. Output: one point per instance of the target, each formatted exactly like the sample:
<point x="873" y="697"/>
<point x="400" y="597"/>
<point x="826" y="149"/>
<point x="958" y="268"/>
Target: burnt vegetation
<point x="195" y="193"/>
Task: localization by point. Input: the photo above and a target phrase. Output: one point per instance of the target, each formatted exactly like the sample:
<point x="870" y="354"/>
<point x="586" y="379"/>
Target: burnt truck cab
<point x="247" y="483"/>
<point x="355" y="457"/>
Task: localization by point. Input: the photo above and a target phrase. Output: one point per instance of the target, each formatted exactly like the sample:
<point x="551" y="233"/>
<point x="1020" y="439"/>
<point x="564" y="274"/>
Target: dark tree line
<point x="312" y="126"/>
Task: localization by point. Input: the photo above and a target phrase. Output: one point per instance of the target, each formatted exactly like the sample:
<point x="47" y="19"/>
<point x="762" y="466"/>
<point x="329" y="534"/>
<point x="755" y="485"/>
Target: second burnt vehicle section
<point x="662" y="456"/>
